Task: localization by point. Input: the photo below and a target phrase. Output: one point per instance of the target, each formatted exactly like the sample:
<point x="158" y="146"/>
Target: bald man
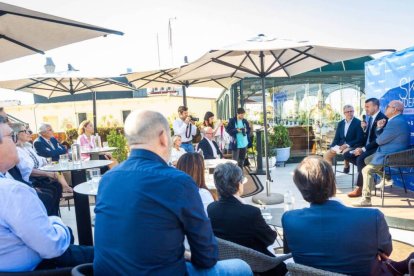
<point x="393" y="137"/>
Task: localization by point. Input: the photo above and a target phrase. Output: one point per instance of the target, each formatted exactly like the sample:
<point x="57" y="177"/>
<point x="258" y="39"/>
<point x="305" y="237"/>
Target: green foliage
<point x="72" y="134"/>
<point x="116" y="139"/>
<point x="279" y="137"/>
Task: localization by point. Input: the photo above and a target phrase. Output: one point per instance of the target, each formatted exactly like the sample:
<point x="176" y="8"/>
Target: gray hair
<point x="143" y="126"/>
<point x="398" y="105"/>
<point x="17" y="127"/>
<point x="43" y="127"/>
<point x="348" y="106"/>
<point x="227" y="179"/>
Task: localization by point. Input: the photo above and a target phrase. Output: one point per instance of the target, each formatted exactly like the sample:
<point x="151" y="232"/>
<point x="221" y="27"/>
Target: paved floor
<point x="282" y="182"/>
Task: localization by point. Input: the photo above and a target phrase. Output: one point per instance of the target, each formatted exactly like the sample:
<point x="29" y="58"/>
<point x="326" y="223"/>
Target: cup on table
<point x="49" y="160"/>
<point x="93" y="176"/>
<point x="105" y="144"/>
<point x="64" y="160"/>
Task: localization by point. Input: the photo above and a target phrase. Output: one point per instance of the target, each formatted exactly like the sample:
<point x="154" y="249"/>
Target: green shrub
<point x="117" y="139"/>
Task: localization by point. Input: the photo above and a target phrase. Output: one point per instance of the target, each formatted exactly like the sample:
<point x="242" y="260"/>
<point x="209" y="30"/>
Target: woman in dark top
<point x="235" y="221"/>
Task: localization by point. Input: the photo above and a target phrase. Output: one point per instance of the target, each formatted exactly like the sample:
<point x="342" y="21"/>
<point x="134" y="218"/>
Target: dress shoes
<point x="364" y="202"/>
<point x="346" y="169"/>
<point x="386" y="183"/>
<point x="356" y="193"/>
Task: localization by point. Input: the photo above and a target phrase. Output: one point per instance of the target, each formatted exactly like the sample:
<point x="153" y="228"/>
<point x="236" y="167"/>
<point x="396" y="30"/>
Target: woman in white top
<point x="193" y="165"/>
<point x="30" y="161"/>
<point x="176" y="151"/>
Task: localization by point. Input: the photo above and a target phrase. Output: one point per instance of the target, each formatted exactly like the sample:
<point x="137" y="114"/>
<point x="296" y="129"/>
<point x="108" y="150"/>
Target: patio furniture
<point x="398" y="160"/>
<point x="303" y="270"/>
<point x="257" y="261"/>
<point x="83" y="270"/>
<point x="411" y="267"/>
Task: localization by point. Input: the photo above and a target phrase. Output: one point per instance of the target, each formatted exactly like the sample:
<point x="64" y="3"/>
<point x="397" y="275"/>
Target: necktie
<point x="369" y="130"/>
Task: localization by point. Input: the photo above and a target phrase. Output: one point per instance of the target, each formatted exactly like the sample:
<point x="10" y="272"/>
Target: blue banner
<point x="392" y="78"/>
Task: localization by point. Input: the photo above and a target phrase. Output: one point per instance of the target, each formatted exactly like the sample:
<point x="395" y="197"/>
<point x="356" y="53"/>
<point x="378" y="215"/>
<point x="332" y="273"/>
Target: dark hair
<point x="193" y="165"/>
<point x="182" y="108"/>
<point x="315" y="179"/>
<point x="227" y="179"/>
<point x="207" y="116"/>
<point x="374" y="101"/>
<point x="241" y="110"/>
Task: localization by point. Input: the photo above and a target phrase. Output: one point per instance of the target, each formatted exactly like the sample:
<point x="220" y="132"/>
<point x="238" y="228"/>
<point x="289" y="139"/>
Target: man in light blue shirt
<point x="28" y="237"/>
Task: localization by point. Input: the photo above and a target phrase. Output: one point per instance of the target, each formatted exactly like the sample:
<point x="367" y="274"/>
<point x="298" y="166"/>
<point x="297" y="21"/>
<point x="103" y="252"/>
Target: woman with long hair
<point x="193" y="165"/>
<point x="209" y="122"/>
<point x="86" y="138"/>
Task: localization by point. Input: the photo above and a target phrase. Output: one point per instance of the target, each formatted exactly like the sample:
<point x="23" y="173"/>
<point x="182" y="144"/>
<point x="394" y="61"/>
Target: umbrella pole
<point x="184" y="96"/>
<point x="268" y="198"/>
<point x="94" y="111"/>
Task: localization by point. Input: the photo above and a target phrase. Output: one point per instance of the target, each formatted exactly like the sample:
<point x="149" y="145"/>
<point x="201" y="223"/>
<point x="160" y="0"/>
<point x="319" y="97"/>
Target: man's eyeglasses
<point x="12" y="135"/>
<point x="26" y="131"/>
<point x="390" y="106"/>
<point x="349" y="111"/>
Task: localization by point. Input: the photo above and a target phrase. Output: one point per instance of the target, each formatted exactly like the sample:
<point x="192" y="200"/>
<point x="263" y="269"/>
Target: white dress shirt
<point x="213" y="148"/>
<point x="180" y="128"/>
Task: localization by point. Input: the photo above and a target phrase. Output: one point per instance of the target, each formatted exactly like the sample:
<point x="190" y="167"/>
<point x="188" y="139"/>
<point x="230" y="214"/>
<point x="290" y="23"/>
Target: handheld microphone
<point x="364" y="118"/>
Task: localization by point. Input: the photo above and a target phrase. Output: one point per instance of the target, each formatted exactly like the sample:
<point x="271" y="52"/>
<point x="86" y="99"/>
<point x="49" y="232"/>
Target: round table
<point x="96" y="151"/>
<point x="82" y="211"/>
<point x="86" y="188"/>
<point x="212" y="163"/>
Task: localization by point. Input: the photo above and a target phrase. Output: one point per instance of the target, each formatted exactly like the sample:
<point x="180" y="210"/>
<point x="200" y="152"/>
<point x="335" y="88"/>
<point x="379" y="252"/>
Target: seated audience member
<point x="209" y="146"/>
<point x="86" y="139"/>
<point x="328" y="235"/>
<point x="145" y="208"/>
<point x="393" y="137"/>
<point x="193" y="165"/>
<point x="46" y="145"/>
<point x="29" y="239"/>
<point x="235" y="221"/>
<point x="348" y="136"/>
<point x="370" y="144"/>
<point x="30" y="162"/>
<point x="176" y="151"/>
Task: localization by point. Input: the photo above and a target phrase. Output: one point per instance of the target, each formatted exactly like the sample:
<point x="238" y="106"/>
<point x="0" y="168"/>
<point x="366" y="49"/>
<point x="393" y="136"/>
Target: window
<point x="81" y="117"/>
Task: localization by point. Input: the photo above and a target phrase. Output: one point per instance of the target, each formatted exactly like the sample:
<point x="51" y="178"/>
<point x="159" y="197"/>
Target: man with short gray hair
<point x="46" y="145"/>
<point x="145" y="208"/>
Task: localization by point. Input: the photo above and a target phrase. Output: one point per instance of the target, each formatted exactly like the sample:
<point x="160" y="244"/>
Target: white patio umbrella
<point x="69" y="82"/>
<point x="159" y="78"/>
<point x="24" y="32"/>
<point x="262" y="57"/>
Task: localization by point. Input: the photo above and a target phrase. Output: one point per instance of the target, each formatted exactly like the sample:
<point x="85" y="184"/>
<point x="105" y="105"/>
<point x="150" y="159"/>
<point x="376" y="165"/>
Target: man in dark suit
<point x="370" y="145"/>
<point x="239" y="130"/>
<point x="209" y="146"/>
<point x="348" y="136"/>
<point x="46" y="145"/>
<point x="235" y="221"/>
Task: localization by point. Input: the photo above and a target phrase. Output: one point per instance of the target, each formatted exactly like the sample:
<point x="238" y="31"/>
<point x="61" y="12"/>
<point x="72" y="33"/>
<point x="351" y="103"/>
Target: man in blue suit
<point x="349" y="135"/>
<point x="329" y="235"/>
<point x="46" y="145"/>
<point x="209" y="146"/>
<point x="392" y="138"/>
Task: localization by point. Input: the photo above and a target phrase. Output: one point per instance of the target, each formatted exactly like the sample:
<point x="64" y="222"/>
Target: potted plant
<point x="280" y="143"/>
<point x="271" y="153"/>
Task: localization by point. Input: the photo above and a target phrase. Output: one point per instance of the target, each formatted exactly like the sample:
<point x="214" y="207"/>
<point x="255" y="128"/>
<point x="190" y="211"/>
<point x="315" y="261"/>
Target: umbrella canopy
<point x="24" y="32"/>
<point x="63" y="83"/>
<point x="159" y="78"/>
<point x="263" y="57"/>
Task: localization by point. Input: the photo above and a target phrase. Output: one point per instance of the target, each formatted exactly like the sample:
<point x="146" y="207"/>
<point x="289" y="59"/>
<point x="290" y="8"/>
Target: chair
<point x="411" y="267"/>
<point x="350" y="173"/>
<point x="83" y="270"/>
<point x="257" y="261"/>
<point x="397" y="160"/>
<point x="303" y="270"/>
<point x="47" y="272"/>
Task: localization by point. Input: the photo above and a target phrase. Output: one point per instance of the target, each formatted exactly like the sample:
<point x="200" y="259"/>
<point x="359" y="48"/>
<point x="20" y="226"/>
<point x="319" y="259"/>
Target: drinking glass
<point x="63" y="160"/>
<point x="105" y="144"/>
<point x="93" y="176"/>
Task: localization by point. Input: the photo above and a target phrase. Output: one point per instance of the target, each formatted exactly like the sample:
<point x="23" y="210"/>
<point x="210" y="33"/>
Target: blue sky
<point x="203" y="25"/>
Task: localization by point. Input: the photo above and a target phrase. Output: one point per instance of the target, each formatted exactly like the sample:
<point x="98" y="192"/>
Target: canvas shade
<point x="262" y="57"/>
<point x="24" y="32"/>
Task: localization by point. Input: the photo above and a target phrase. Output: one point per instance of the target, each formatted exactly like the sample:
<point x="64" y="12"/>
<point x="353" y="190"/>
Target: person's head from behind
<point x="240" y="113"/>
<point x="193" y="165"/>
<point x="8" y="152"/>
<point x="229" y="180"/>
<point x="315" y="179"/>
<point x="176" y="139"/>
<point x="182" y="112"/>
<point x="209" y="119"/>
<point x="85" y="127"/>
<point x="371" y="106"/>
<point x="145" y="129"/>
<point x="45" y="130"/>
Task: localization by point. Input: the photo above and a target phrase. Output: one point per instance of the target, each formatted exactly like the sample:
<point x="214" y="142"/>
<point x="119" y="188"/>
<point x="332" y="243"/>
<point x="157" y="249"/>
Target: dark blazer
<point x="232" y="131"/>
<point x="44" y="149"/>
<point x="354" y="137"/>
<point x="240" y="223"/>
<point x="373" y="134"/>
<point x="333" y="237"/>
<point x="204" y="145"/>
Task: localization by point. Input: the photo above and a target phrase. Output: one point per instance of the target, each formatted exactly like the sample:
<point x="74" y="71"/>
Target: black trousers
<point x="359" y="162"/>
<point x="52" y="189"/>
<point x="239" y="155"/>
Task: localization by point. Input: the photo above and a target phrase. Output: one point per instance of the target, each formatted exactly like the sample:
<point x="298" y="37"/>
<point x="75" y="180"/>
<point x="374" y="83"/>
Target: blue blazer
<point x="336" y="238"/>
<point x="44" y="149"/>
<point x="394" y="137"/>
<point x="204" y="145"/>
<point x="354" y="137"/>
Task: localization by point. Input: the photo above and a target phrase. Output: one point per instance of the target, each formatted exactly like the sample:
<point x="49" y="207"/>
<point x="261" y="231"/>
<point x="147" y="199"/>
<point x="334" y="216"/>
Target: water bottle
<point x="287" y="199"/>
<point x="98" y="143"/>
<point x="76" y="153"/>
